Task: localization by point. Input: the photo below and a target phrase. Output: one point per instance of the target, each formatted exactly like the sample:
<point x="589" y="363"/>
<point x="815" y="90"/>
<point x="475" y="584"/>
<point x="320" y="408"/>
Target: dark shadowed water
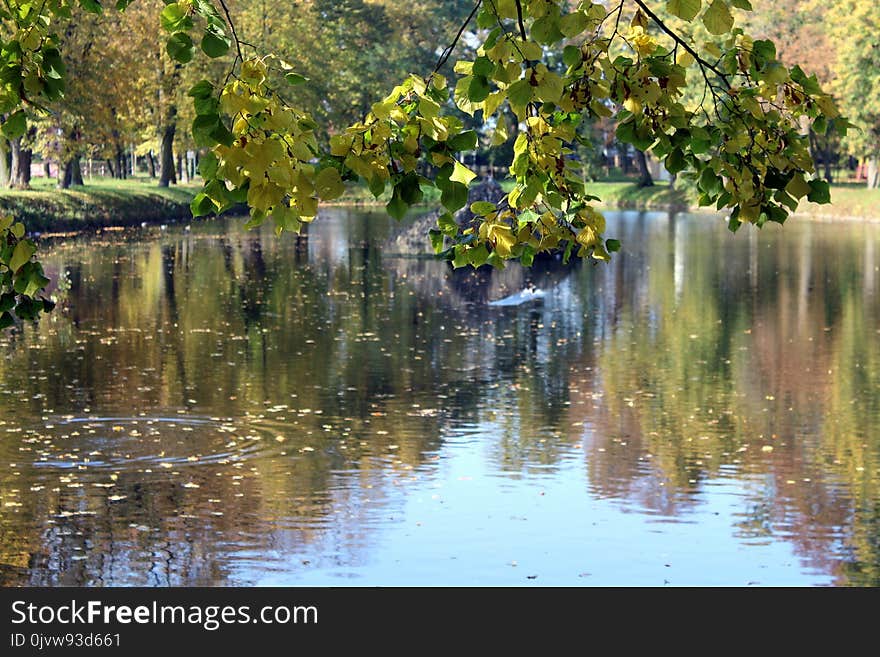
<point x="221" y="407"/>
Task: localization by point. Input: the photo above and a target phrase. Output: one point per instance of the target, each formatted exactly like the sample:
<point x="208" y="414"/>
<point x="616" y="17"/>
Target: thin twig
<point x="682" y="42"/>
<point x="451" y="47"/>
<point x="232" y="27"/>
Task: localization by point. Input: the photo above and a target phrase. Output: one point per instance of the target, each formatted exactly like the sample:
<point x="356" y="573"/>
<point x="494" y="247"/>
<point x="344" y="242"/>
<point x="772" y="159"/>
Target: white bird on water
<point x="530" y="293"/>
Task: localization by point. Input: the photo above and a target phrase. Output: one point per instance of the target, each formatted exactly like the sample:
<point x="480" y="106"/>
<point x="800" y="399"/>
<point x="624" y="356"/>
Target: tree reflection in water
<point x="212" y="403"/>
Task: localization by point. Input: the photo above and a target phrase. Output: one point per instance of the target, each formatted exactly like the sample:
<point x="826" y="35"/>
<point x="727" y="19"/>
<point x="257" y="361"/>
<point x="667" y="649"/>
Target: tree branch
<point x="519" y="19"/>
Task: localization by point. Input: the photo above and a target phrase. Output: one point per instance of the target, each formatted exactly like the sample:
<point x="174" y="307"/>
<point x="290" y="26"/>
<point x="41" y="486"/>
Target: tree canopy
<point x="682" y="79"/>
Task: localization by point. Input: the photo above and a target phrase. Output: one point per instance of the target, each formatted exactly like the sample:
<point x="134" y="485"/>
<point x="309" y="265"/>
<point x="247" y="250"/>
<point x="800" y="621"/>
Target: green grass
<point x="100" y="202"/>
<point x="847" y="200"/>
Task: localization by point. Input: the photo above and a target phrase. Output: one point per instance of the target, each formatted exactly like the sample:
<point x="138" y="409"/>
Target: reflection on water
<point x="211" y="406"/>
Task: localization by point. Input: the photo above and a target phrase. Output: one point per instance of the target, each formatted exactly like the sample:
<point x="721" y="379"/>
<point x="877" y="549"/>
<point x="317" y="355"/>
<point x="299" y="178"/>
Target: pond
<point x="211" y="406"/>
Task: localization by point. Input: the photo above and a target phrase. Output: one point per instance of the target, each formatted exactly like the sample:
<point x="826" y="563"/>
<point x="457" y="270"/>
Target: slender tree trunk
<point x="828" y="156"/>
<point x="4" y="167"/>
<point x="111" y="168"/>
<point x="120" y="163"/>
<point x="47" y="168"/>
<point x="645" y="179"/>
<point x="182" y="168"/>
<point x="151" y="164"/>
<point x="15" y="152"/>
<point x="873" y="172"/>
<point x="166" y="163"/>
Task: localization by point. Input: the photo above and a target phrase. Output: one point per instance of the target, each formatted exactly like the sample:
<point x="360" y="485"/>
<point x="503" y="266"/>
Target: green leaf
<point x="208" y="164"/>
<point x="6" y="321"/>
<point x="202" y="127"/>
<point x="22" y="254"/>
<point x="819" y="192"/>
<point x="447" y="224"/>
<point x="718" y="19"/>
<point x="7" y="302"/>
<point x="742" y="4"/>
<point x="464" y="141"/>
<point x="684" y="9"/>
<point x="483" y="67"/>
<point x="573" y="24"/>
<point x="571" y="55"/>
<point x="710" y="183"/>
<point x="201" y="89"/>
<point x="482" y="208"/>
<point x="215" y="44"/>
<point x="675" y="162"/>
<point x="410" y="191"/>
<point x="519" y="94"/>
<point x="436" y="240"/>
<point x="453" y="195"/>
<point x="202" y="205"/>
<point x="294" y="79"/>
<point x="208" y="105"/>
<point x="15" y="125"/>
<point x="91" y="6"/>
<point x="612" y="245"/>
<point x="478" y="89"/>
<point x="397" y="207"/>
<point x="175" y="19"/>
<point x="328" y="184"/>
<point x="763" y="51"/>
<point x="180" y="47"/>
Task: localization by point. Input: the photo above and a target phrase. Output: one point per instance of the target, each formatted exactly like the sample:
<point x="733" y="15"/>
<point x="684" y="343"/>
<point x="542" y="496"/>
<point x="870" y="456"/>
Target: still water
<point x="214" y="406"/>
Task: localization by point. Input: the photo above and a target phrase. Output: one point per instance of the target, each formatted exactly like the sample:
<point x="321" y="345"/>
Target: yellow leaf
<point x="263" y="194"/>
<point x="461" y="173"/>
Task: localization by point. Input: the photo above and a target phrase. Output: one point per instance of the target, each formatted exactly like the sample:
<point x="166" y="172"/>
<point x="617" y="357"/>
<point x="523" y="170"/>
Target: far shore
<point x="105" y="202"/>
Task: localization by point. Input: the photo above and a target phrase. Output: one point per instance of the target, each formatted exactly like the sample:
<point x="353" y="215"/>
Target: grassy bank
<point x="106" y="202"/>
<point x="101" y="202"/>
<point x="848" y="200"/>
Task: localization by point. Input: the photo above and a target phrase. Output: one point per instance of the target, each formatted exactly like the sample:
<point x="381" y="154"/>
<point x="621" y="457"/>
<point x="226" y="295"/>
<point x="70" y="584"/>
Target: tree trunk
<point x="151" y="164"/>
<point x="166" y="163"/>
<point x="111" y="168"/>
<point x="72" y="174"/>
<point x="47" y="169"/>
<point x="16" y="166"/>
<point x="873" y="172"/>
<point x="645" y="179"/>
<point x="23" y="173"/>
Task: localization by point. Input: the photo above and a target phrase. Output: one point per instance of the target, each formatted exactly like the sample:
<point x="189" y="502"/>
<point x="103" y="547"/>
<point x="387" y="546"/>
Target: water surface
<point x="215" y="406"/>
